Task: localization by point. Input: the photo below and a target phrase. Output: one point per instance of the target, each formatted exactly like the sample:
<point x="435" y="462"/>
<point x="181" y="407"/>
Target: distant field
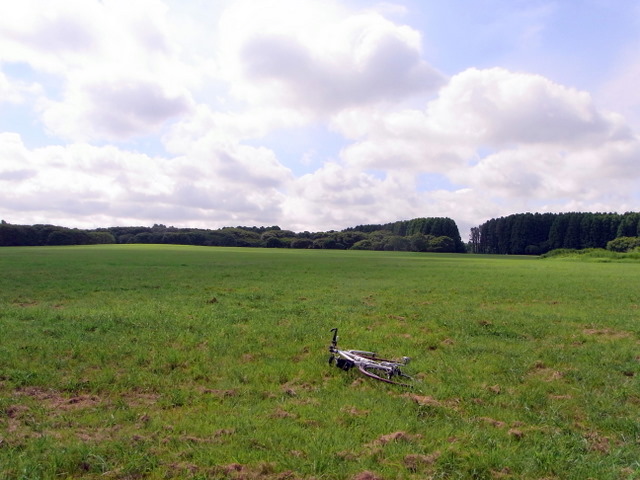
<point x="193" y="362"/>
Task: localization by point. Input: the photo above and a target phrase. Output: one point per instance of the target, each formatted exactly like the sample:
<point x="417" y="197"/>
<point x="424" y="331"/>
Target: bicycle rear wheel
<point x="381" y="375"/>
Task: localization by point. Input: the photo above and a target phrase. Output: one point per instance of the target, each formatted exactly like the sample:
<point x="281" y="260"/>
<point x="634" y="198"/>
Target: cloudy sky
<point x="316" y="114"/>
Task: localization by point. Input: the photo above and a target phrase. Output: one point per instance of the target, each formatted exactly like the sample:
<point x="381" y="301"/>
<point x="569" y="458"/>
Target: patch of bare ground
<point x="416" y="463"/>
<point x="97" y="435"/>
<point x="492" y="421"/>
<point x="544" y="373"/>
<point x="376" y="446"/>
<point x="429" y="401"/>
<point x="502" y="473"/>
<point x="369" y="301"/>
<point x="219" y="392"/>
<point x="55" y="403"/>
<point x="280" y="413"/>
<point x="516" y="433"/>
<point x="347" y="455"/>
<point x="306" y="401"/>
<point x="140" y="399"/>
<point x="517" y="430"/>
<point x="355" y="412"/>
<point x="548" y="374"/>
<point x="597" y="442"/>
<point x="15" y="411"/>
<point x="25" y="303"/>
<point x="55" y="400"/>
<point x="292" y="388"/>
<point x="497" y="389"/>
<point x="304" y="353"/>
<point x="560" y="397"/>
<point x="183" y="469"/>
<point x="399" y="436"/>
<point x="17" y="427"/>
<point x="13" y="423"/>
<point x="634" y="399"/>
<point x="59" y="401"/>
<point x="263" y="471"/>
<point x="216" y="437"/>
<point x="366" y="475"/>
<point x="607" y="333"/>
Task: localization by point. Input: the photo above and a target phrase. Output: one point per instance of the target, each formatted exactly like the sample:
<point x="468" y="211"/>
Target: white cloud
<point x="399" y="140"/>
<point x="49" y="36"/>
<point x="498" y="107"/>
<point x="338" y="197"/>
<point x="227" y="126"/>
<point x="8" y="93"/>
<point x="620" y="91"/>
<point x="16" y="92"/>
<point x="319" y="57"/>
<point x="477" y="109"/>
<point x="216" y="183"/>
<point x="119" y="68"/>
<point x="114" y="109"/>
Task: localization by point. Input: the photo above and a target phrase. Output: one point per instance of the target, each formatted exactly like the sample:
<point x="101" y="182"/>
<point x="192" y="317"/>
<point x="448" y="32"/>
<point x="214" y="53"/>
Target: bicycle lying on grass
<point x="367" y="363"/>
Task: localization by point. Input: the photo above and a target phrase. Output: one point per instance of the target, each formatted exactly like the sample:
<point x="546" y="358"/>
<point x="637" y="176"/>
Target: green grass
<point x="188" y="362"/>
<point x="594" y="255"/>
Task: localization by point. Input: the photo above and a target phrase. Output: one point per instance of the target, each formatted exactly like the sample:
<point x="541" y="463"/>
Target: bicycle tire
<point x="363" y="370"/>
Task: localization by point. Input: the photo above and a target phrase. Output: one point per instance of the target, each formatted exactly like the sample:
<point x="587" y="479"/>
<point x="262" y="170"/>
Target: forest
<point x="539" y="233"/>
<point x="517" y="234"/>
<point x="436" y="234"/>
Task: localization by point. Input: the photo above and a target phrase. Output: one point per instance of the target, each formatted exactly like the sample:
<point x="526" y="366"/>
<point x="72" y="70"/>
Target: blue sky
<point x="316" y="115"/>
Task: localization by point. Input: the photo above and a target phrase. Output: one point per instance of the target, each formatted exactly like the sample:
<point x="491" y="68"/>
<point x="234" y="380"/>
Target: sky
<point x="316" y="115"/>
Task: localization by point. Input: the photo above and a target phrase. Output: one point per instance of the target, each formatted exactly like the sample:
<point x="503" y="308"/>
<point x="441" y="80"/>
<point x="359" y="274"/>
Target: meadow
<point x="143" y="361"/>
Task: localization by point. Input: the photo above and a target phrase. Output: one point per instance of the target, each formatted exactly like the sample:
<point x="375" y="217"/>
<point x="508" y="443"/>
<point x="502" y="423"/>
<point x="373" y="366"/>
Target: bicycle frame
<point x="367" y="363"/>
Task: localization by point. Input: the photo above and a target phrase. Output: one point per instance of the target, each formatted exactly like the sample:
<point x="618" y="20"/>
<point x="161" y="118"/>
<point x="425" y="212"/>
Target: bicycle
<point x="367" y="363"/>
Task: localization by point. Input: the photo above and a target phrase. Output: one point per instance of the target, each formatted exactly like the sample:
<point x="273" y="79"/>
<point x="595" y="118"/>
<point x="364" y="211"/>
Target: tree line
<point x="420" y="235"/>
<point x="539" y="233"/>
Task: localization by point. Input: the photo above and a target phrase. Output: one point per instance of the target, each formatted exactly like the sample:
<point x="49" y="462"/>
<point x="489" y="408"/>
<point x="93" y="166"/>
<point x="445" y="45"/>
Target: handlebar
<point x="334" y="342"/>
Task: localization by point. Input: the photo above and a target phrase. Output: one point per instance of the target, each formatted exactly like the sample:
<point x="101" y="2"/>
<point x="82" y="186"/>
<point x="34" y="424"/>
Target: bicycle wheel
<point x="383" y="375"/>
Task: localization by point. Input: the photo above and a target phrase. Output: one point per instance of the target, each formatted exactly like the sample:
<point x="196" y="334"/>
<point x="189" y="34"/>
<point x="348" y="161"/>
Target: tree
<point x="144" y="237"/>
<point x="274" y="242"/>
<point x="558" y="230"/>
<point x="12" y="235"/>
<point x="397" y="243"/>
<point x="442" y="244"/>
<point x="628" y="226"/>
<point x="418" y="242"/>
<point x="101" y="238"/>
<point x="325" y="243"/>
<point x="302" y="243"/>
<point x="365" y="244"/>
<point x="60" y="237"/>
<point x="474" y="239"/>
<point x="243" y="237"/>
<point x="572" y="233"/>
<point x="623" y="244"/>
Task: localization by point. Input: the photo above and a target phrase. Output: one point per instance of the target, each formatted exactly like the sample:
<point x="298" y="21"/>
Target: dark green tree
<point x="623" y="244"/>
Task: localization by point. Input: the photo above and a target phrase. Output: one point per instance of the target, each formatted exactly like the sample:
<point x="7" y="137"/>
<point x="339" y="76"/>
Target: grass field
<point x="187" y="362"/>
